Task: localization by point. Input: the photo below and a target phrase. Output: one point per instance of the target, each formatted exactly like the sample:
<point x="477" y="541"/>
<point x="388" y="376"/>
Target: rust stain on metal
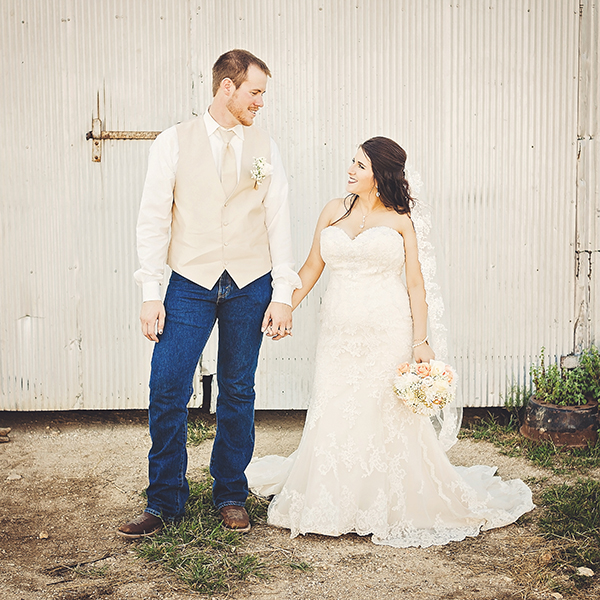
<point x="129" y="135"/>
<point x="573" y="426"/>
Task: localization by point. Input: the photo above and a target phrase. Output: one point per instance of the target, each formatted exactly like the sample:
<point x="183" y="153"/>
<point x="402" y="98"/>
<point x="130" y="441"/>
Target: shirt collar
<point x="212" y="126"/>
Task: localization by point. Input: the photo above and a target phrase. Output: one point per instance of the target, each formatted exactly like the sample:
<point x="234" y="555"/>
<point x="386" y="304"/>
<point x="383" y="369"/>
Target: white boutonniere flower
<point x="260" y="169"/>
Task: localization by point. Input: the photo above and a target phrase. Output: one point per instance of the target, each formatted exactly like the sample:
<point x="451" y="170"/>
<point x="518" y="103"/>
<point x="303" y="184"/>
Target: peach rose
<point x="424" y="369"/>
<point x="403" y="368"/>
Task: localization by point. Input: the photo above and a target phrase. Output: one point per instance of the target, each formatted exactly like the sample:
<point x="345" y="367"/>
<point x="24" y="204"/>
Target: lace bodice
<point x="375" y="251"/>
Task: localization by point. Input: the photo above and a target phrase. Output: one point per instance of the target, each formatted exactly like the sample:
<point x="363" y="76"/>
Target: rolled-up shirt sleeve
<point x="154" y="220"/>
<point x="277" y="219"/>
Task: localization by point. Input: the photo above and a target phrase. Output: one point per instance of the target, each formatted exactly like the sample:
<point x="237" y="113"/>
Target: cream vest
<point x="211" y="233"/>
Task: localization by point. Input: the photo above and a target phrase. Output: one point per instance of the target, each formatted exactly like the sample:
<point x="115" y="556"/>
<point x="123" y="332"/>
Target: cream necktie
<point x="228" y="164"/>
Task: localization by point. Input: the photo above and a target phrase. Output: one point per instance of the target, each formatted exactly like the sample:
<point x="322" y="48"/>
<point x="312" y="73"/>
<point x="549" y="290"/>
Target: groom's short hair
<point x="234" y="65"/>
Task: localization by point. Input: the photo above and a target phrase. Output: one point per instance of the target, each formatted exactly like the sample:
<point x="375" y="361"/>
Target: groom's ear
<point x="227" y="86"/>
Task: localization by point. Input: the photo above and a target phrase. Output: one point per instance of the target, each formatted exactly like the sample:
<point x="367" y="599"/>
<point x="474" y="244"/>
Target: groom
<point x="219" y="216"/>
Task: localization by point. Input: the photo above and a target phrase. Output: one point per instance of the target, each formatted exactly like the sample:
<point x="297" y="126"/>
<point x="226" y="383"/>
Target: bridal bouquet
<point x="425" y="387"/>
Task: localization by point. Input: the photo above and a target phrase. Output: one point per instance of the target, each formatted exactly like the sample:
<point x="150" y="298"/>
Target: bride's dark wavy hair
<point x="388" y="161"/>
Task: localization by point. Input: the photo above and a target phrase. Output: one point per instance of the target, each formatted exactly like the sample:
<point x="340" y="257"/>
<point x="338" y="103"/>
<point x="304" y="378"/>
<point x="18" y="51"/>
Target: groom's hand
<point x="152" y="317"/>
<point x="277" y="322"/>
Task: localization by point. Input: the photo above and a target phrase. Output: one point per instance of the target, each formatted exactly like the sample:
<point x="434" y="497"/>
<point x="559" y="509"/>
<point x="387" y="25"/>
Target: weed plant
<point x="517" y="399"/>
<point x="568" y="387"/>
<point x="589" y="363"/>
<point x="562" y="387"/>
<point x="199" y="431"/>
<point x="199" y="550"/>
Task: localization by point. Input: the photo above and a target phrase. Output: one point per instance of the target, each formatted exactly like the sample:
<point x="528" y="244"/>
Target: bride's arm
<point x="416" y="292"/>
<point x="313" y="266"/>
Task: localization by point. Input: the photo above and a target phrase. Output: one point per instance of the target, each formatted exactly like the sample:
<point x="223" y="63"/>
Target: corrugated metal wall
<point x="587" y="291"/>
<point x="483" y="96"/>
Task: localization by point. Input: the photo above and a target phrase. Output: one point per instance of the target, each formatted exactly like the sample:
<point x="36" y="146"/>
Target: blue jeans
<point x="191" y="314"/>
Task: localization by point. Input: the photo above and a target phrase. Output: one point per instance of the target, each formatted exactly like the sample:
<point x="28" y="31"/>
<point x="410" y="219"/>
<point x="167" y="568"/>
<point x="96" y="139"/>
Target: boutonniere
<point x="260" y="169"/>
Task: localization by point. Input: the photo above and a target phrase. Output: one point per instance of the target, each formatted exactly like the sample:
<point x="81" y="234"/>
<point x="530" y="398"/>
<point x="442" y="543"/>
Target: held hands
<point x="152" y="317"/>
<point x="423" y="353"/>
<point x="277" y="322"/>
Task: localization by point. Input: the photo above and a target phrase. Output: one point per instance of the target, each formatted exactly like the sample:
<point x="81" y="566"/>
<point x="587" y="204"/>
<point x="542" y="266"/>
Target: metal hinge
<point x="97" y="135"/>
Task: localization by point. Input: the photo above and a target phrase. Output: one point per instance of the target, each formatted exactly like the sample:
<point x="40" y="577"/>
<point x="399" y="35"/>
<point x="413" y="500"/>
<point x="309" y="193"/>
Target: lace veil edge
<point x="446" y="422"/>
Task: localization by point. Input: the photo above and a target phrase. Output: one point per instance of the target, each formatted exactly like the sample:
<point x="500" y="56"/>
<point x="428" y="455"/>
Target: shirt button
<point x="226" y="244"/>
<point x="225" y="223"/>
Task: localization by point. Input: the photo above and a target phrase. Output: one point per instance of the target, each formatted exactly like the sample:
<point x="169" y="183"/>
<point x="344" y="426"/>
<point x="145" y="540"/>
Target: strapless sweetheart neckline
<point x="352" y="239"/>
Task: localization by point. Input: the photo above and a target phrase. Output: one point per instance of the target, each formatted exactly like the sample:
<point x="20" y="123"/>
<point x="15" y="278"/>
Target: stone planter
<point x="572" y="426"/>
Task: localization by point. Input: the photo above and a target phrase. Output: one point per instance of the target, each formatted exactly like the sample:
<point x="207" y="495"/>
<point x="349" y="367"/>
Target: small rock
<point x="585" y="572"/>
<point x="4" y="431"/>
<point x="44" y="535"/>
<point x="13" y="477"/>
<point x="546" y="558"/>
<point x="4" y="439"/>
<point x="557" y="596"/>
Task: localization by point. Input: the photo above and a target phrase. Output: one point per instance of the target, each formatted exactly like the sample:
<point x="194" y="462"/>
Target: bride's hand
<point x="423" y="353"/>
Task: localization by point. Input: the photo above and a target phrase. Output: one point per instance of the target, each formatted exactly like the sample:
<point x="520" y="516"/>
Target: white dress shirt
<point x="154" y="220"/>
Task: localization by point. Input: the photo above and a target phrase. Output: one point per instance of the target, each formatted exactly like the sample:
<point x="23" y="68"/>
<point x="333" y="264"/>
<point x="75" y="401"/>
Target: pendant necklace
<point x="362" y="225"/>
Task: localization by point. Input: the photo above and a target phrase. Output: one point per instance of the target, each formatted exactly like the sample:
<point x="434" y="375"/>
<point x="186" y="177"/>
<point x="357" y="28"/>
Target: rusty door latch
<point x="97" y="135"/>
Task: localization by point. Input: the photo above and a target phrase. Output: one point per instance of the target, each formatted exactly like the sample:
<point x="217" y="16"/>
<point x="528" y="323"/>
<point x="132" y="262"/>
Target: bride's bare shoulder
<point x="402" y="223"/>
<point x="336" y="204"/>
<point x="334" y="209"/>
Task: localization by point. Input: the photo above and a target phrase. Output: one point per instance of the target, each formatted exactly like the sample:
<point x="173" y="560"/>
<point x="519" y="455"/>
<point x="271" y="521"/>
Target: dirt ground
<point x="69" y="479"/>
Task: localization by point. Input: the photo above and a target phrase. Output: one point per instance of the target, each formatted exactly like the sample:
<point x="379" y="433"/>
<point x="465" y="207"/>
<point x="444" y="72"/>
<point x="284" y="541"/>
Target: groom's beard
<point x="242" y="113"/>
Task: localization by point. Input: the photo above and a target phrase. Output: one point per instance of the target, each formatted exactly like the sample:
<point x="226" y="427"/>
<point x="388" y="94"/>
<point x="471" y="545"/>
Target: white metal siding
<point x="482" y="95"/>
<point x="587" y="291"/>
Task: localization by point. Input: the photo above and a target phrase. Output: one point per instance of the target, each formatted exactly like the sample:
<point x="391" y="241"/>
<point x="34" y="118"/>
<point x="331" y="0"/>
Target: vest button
<point x="225" y="223"/>
<point x="226" y="244"/>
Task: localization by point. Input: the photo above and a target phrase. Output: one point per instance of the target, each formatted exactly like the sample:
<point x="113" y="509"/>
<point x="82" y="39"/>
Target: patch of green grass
<point x="91" y="572"/>
<point x="198" y="431"/>
<point x="572" y="518"/>
<point x="301" y="566"/>
<point x="544" y="454"/>
<point x="201" y="552"/>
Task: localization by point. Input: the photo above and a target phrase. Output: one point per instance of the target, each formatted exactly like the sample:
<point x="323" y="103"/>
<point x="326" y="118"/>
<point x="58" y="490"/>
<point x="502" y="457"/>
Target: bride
<point x="366" y="463"/>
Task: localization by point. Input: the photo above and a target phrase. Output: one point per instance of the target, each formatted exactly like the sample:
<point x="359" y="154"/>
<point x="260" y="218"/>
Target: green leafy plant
<point x="589" y="364"/>
<point x="517" y="398"/>
<point x="563" y="387"/>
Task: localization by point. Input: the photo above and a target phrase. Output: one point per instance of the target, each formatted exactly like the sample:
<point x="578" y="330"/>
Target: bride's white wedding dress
<point x="366" y="463"/>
